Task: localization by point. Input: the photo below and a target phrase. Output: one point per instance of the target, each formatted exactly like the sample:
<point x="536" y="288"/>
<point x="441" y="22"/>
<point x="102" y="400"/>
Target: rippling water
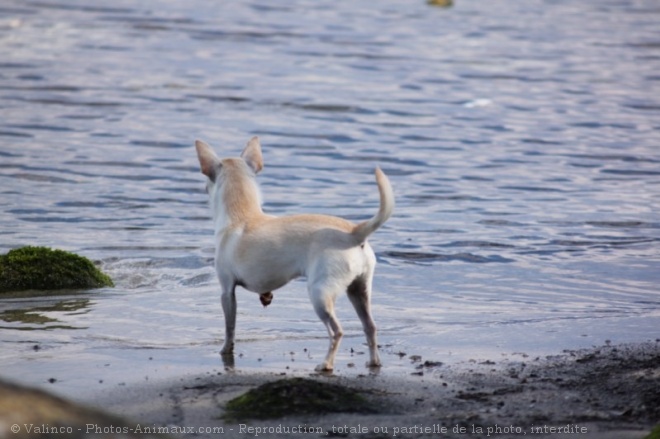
<point x="522" y="140"/>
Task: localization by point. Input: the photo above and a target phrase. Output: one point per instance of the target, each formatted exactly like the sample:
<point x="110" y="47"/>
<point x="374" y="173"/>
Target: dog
<point x="262" y="253"/>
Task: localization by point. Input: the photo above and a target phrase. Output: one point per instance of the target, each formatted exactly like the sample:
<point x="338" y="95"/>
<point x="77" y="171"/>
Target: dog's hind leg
<point x="359" y="293"/>
<point x="229" y="310"/>
<point x="324" y="305"/>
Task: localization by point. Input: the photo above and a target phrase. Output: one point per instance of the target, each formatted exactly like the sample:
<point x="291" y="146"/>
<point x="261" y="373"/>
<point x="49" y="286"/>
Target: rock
<point x="42" y="268"/>
<point x="29" y="413"/>
<point x="440" y="3"/>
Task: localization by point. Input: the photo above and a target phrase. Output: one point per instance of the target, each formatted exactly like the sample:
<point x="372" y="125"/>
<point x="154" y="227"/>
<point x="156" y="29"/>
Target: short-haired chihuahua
<point x="262" y="253"/>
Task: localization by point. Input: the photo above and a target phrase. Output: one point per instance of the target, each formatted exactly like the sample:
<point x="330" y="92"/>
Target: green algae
<point x="294" y="397"/>
<point x="39" y="318"/>
<point x="42" y="268"/>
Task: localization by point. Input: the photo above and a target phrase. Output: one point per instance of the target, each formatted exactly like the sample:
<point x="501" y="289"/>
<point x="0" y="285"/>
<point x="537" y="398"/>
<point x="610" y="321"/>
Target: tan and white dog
<point x="262" y="253"/>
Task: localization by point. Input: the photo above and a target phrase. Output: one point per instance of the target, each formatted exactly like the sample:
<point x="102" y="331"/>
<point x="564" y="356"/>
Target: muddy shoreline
<point x="611" y="391"/>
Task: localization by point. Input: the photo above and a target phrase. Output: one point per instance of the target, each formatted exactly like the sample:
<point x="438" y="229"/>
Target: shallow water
<point x="521" y="140"/>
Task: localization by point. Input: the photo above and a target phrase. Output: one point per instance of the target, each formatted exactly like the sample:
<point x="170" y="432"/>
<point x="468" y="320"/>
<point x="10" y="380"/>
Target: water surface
<point x="521" y="140"/>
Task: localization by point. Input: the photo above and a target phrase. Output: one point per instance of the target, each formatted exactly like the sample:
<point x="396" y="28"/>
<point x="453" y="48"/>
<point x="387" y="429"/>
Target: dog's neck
<point x="235" y="198"/>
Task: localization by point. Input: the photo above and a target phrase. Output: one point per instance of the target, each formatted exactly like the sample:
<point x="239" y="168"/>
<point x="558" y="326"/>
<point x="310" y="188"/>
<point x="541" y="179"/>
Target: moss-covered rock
<point x="294" y="397"/>
<point x="42" y="268"/>
<point x="655" y="434"/>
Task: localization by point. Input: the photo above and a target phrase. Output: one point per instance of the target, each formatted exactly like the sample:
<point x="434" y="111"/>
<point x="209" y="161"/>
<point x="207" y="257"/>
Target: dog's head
<point x="231" y="184"/>
<point x="211" y="165"/>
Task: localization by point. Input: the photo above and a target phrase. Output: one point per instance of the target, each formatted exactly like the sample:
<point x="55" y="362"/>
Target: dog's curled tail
<point x="362" y="231"/>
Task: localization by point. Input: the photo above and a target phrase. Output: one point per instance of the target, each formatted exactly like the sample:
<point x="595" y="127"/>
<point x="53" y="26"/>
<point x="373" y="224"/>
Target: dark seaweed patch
<point x="296" y="396"/>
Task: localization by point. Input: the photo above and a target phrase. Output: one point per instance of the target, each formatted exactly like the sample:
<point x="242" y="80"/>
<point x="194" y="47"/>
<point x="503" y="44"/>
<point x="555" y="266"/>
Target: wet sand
<point x="611" y="391"/>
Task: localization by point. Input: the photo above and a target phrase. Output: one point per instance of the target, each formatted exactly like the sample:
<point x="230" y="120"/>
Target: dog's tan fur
<point x="262" y="252"/>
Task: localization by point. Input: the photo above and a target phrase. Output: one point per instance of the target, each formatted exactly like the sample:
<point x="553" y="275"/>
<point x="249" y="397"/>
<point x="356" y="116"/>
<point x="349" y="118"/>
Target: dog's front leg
<point x="229" y="310"/>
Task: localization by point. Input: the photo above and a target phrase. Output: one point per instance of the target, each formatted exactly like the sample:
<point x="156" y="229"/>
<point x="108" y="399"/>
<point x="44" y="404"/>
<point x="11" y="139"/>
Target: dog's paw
<point x="266" y="298"/>
<point x="374" y="364"/>
<point x="324" y="367"/>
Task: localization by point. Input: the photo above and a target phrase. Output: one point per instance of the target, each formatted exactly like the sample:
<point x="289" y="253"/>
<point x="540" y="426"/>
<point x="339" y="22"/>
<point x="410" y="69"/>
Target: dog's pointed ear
<point x="208" y="161"/>
<point x="252" y="155"/>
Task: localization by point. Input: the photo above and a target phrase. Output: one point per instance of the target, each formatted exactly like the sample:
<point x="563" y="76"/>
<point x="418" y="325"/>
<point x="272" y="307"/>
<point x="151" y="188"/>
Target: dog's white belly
<point x="259" y="268"/>
<point x="268" y="270"/>
<point x="262" y="284"/>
